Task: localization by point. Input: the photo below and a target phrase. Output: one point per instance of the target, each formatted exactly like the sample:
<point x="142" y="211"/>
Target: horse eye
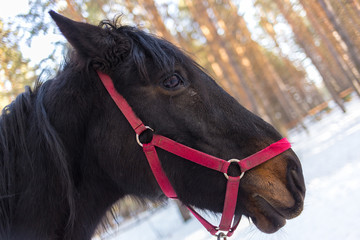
<point x="173" y="82"/>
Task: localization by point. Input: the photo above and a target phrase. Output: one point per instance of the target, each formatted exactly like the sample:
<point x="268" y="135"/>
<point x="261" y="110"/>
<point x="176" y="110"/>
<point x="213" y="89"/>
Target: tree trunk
<point x="150" y="7"/>
<point x="350" y="77"/>
<point x="352" y="12"/>
<point x="185" y="213"/>
<point x="297" y="81"/>
<point x="243" y="60"/>
<point x="305" y="41"/>
<point x="334" y="38"/>
<point x="200" y="15"/>
<point x="342" y="32"/>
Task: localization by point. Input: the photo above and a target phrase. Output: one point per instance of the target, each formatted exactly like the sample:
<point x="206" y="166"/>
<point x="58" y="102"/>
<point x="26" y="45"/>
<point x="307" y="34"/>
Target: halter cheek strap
<point x="227" y="223"/>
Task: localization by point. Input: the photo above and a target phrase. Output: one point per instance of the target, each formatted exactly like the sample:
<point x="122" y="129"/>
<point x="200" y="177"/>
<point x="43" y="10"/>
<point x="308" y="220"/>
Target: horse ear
<point x="91" y="42"/>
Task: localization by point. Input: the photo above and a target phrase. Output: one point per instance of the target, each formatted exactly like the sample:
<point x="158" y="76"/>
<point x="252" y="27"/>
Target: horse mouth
<point x="270" y="218"/>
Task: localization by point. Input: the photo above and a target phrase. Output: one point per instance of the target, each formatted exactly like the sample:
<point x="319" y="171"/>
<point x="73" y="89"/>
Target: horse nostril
<point x="296" y="180"/>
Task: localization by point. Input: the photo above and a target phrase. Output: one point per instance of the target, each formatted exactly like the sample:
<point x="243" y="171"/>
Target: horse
<point x="67" y="153"/>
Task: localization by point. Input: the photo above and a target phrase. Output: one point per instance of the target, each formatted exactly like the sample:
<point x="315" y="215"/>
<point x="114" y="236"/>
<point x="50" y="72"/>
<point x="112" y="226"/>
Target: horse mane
<point x="145" y="45"/>
<point x="15" y="152"/>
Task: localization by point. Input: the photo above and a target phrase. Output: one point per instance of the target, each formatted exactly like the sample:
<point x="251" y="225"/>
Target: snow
<point x="330" y="156"/>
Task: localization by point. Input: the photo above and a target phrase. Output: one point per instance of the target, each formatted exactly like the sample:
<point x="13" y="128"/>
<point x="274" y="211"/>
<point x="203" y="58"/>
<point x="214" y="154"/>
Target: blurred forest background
<point x="285" y="60"/>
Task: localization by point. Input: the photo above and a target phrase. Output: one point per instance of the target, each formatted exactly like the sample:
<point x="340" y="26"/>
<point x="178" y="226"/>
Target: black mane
<point x="144" y="45"/>
<point x="18" y="154"/>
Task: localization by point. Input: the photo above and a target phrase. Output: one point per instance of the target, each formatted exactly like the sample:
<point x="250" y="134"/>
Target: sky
<point x="12" y="8"/>
<point x="41" y="46"/>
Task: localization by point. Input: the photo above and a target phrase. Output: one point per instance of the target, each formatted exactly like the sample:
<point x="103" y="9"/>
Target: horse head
<point x="176" y="97"/>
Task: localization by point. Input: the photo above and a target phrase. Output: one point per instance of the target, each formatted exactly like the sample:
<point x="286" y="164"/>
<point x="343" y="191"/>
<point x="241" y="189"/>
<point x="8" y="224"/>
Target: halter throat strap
<point x="227" y="223"/>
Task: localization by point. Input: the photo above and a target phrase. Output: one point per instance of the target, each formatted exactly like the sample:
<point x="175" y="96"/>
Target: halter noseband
<point x="195" y="156"/>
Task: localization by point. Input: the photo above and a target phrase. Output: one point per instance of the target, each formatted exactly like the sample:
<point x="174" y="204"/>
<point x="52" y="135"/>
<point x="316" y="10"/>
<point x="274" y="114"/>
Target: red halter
<point x="195" y="156"/>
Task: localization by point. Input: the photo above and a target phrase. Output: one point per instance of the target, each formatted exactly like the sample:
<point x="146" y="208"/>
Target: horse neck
<point x="53" y="196"/>
<point x="71" y="105"/>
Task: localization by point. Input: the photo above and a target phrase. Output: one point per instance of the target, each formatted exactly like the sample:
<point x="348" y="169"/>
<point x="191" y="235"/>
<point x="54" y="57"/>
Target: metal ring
<point x="137" y="135"/>
<point x="230" y="161"/>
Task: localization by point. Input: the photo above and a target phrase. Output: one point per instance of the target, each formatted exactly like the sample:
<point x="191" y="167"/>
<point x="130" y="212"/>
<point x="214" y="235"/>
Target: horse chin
<point x="269" y="217"/>
<point x="267" y="225"/>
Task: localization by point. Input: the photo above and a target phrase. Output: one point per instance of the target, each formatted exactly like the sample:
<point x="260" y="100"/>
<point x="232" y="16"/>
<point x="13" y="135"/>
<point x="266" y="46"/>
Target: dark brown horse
<point x="67" y="153"/>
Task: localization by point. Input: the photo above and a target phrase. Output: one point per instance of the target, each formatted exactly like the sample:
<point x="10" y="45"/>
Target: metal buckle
<point x="137" y="135"/>
<point x="230" y="161"/>
<point x="221" y="235"/>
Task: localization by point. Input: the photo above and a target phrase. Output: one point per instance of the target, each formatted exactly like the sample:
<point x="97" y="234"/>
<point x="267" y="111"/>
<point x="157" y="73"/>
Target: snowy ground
<point x="330" y="155"/>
